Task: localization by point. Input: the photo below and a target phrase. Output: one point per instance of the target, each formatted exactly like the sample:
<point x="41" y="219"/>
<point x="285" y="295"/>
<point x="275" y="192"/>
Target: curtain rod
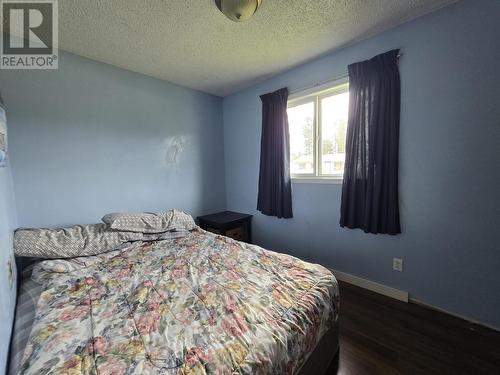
<point x="321" y="83"/>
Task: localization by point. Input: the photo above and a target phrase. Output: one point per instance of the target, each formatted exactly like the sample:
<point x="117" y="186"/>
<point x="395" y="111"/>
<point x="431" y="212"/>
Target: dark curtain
<point x="275" y="190"/>
<point x="370" y="188"/>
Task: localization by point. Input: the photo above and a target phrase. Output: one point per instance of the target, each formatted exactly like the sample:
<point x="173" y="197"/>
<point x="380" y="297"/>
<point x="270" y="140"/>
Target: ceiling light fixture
<point x="238" y="10"/>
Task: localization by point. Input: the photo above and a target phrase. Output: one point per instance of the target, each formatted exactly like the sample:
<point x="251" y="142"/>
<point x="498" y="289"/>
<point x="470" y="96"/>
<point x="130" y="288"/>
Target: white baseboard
<point x="471" y="321"/>
<point x="371" y="285"/>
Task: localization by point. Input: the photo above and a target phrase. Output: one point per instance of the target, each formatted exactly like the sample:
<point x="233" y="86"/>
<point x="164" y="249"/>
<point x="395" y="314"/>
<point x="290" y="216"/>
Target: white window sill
<point x="317" y="180"/>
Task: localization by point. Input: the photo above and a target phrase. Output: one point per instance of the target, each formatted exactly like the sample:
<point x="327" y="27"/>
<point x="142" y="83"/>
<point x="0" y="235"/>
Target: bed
<point x="196" y="303"/>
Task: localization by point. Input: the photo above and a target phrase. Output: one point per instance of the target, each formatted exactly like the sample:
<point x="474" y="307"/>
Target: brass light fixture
<point x="238" y="10"/>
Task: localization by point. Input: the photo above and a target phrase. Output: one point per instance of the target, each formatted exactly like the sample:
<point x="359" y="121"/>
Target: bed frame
<point x="325" y="357"/>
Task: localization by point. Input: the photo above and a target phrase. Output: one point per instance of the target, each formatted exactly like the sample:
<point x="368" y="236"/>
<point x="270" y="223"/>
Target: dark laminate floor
<point x="379" y="335"/>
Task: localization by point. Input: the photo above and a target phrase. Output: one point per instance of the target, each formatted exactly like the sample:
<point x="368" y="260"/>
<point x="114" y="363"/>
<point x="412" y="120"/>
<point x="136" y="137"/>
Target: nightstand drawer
<point x="237" y="233"/>
<point x="213" y="230"/>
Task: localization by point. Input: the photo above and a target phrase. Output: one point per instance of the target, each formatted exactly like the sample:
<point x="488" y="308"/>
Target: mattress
<point x="198" y="304"/>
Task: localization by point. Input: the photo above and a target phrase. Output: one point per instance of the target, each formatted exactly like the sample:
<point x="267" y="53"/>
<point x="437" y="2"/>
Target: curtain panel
<point x="275" y="190"/>
<point x="370" y="188"/>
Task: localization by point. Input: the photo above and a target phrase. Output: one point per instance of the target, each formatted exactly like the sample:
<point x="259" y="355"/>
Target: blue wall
<point x="449" y="165"/>
<point x="90" y="138"/>
<point x="7" y="279"/>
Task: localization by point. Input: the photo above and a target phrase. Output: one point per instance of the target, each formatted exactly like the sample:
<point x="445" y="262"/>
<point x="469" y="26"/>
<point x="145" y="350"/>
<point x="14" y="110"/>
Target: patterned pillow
<point x="80" y="240"/>
<point x="145" y="222"/>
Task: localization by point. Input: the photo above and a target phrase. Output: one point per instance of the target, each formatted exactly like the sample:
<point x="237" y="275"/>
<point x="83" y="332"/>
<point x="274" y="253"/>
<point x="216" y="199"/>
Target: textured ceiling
<point x="189" y="42"/>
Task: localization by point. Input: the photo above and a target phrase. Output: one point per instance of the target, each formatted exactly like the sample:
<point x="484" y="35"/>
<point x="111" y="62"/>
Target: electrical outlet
<point x="397" y="264"/>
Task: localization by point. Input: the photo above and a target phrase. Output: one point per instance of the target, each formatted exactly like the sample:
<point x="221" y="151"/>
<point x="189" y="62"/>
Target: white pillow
<point x="145" y="222"/>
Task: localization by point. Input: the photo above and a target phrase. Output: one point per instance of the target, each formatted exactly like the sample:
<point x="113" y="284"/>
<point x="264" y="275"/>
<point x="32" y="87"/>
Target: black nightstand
<point x="228" y="223"/>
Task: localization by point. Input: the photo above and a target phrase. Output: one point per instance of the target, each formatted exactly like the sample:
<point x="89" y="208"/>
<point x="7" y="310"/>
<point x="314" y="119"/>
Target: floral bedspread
<point x="200" y="304"/>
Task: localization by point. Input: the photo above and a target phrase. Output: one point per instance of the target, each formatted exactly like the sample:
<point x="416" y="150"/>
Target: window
<point x="318" y="125"/>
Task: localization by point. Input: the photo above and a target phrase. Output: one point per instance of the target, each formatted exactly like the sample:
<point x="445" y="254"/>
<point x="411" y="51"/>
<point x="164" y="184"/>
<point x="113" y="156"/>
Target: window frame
<point x="315" y="95"/>
<point x="296" y="103"/>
